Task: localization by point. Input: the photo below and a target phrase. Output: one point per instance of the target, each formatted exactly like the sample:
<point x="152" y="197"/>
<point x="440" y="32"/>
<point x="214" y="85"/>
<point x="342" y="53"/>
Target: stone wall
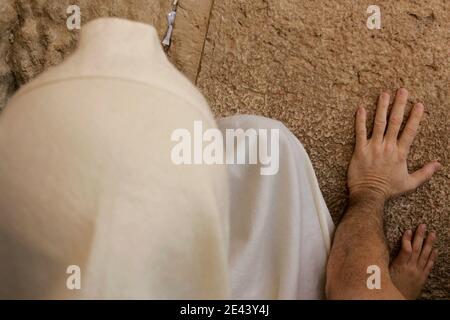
<point x="307" y="63"/>
<point x="34" y="35"/>
<point x="311" y="63"/>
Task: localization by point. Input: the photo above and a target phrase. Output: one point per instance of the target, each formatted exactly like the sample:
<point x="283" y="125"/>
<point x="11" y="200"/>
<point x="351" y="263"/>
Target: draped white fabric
<point x="86" y="179"/>
<point x="280" y="226"/>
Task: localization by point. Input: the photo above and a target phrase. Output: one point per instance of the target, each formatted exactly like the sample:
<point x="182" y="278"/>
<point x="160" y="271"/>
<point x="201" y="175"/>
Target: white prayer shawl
<point x="86" y="179"/>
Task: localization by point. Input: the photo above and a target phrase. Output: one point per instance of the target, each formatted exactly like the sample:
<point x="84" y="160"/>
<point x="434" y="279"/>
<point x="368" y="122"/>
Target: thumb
<point x="425" y="173"/>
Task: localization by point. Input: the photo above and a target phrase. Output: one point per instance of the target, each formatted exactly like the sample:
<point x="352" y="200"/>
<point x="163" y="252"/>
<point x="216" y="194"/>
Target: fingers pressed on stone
<point x="430" y="263"/>
<point x="396" y="117"/>
<point x="411" y="128"/>
<point x="424" y="174"/>
<point x="427" y="249"/>
<point x="379" y="125"/>
<point x="360" y="127"/>
<point x="418" y="241"/>
<point x="406" y="250"/>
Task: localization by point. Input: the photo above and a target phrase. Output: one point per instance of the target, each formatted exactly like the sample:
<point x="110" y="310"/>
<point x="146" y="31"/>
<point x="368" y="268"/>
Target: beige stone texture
<point x="189" y="36"/>
<point x="310" y="63"/>
<point x="8" y="20"/>
<point x="34" y="35"/>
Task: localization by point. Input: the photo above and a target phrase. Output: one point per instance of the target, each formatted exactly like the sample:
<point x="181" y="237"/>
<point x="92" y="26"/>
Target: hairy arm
<point x="359" y="242"/>
<point x="377" y="172"/>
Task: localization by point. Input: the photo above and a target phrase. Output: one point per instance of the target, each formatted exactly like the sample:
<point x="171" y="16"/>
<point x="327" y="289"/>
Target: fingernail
<point x="438" y="166"/>
<point x="402" y="91"/>
<point x="420" y="106"/>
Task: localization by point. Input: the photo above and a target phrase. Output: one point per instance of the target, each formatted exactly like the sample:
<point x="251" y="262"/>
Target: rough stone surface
<point x="8" y="18"/>
<point x="34" y="35"/>
<point x="307" y="63"/>
<point x="311" y="63"/>
<point x="189" y="35"/>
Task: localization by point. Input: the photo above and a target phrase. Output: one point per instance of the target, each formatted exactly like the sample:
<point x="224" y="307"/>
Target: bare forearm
<point x="359" y="237"/>
<point x="377" y="171"/>
<point x="359" y="243"/>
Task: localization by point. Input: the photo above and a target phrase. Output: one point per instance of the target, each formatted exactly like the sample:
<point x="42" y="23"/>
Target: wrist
<point x="367" y="195"/>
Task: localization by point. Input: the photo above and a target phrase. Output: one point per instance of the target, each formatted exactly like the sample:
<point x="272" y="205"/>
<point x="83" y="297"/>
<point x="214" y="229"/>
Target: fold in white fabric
<point x="86" y="179"/>
<point x="280" y="226"/>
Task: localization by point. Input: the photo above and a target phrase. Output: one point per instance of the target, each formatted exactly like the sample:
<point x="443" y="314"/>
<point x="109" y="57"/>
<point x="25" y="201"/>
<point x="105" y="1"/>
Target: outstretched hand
<point x="378" y="167"/>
